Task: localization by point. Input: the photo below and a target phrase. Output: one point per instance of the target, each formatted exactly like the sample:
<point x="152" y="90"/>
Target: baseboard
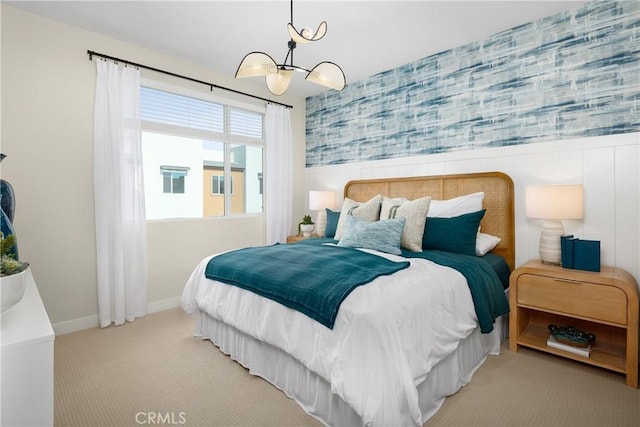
<point x="162" y="305"/>
<point x="75" y="325"/>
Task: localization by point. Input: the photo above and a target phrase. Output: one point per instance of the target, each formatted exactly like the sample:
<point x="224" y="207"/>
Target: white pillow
<point x="457" y="206"/>
<point x="389" y="205"/>
<point x="369" y="211"/>
<point x="415" y="211"/>
<point x="485" y="243"/>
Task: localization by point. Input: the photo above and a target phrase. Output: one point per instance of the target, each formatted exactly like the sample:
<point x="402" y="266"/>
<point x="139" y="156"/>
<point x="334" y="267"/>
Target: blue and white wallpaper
<point x="575" y="74"/>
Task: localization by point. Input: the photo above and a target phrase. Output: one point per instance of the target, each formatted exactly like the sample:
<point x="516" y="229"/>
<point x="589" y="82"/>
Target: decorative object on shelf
<point x="571" y="336"/>
<point x="12" y="274"/>
<point x="7" y="203"/>
<point x="278" y="76"/>
<point x="306" y="226"/>
<point x="553" y="203"/>
<point x="320" y="201"/>
<point x="7" y="197"/>
<point x="12" y="271"/>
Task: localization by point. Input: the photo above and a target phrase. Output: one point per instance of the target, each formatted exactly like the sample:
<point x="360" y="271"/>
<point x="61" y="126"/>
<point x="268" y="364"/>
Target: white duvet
<point x="387" y="336"/>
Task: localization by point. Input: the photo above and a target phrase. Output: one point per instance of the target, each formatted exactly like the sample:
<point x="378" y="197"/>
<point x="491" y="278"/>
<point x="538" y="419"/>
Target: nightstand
<point x="298" y="237"/>
<point x="603" y="303"/>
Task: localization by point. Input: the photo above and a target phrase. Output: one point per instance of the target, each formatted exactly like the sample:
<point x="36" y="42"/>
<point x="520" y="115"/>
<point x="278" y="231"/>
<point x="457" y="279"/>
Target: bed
<point x="396" y="347"/>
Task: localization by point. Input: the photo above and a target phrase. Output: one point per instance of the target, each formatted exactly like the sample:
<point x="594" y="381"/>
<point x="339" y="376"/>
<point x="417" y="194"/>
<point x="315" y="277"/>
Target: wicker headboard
<point x="498" y="199"/>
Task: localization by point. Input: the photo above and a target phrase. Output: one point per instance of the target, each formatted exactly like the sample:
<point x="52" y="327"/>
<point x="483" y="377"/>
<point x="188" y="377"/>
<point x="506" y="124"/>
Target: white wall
<point x="48" y="86"/>
<point x="606" y="166"/>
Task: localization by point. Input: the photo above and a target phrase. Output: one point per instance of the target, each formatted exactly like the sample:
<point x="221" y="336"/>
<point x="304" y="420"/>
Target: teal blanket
<point x="485" y="283"/>
<point x="313" y="279"/>
<point x="488" y="295"/>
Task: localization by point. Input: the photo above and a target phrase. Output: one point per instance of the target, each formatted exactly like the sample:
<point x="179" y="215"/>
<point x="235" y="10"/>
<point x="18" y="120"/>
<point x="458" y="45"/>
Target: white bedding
<point x="387" y="337"/>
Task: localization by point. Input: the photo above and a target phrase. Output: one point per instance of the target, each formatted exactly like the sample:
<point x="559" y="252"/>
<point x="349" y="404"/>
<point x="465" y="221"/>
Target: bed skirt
<point x="313" y="393"/>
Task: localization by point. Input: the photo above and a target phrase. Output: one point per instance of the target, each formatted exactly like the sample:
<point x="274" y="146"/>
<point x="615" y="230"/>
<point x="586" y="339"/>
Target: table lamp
<point x="319" y="201"/>
<point x="553" y="203"/>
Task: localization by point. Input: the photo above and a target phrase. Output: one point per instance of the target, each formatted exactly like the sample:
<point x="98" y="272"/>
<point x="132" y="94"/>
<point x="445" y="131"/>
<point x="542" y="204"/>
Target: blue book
<point x="566" y="250"/>
<point x="586" y="255"/>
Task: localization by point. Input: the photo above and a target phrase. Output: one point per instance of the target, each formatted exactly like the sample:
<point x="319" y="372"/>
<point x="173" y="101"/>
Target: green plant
<point x="305" y="220"/>
<point x="8" y="264"/>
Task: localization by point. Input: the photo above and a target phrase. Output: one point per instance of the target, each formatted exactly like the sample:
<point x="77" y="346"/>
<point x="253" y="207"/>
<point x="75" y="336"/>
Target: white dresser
<point x="27" y="362"/>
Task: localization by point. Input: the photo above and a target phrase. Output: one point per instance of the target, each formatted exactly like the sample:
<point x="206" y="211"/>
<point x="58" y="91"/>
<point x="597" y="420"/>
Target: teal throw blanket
<point x="313" y="279"/>
<point x="485" y="283"/>
<point x="488" y="295"/>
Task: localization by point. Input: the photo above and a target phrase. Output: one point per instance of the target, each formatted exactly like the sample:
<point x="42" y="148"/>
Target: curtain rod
<point x="91" y="54"/>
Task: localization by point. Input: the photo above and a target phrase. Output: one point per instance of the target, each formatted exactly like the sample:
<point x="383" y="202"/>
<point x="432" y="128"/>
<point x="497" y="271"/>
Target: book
<point x="566" y="250"/>
<point x="586" y="255"/>
<point x="582" y="351"/>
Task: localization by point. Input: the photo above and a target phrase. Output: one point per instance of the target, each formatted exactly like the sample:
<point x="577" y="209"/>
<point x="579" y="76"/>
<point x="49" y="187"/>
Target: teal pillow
<point x="332" y="223"/>
<point x="457" y="234"/>
<point x="383" y="236"/>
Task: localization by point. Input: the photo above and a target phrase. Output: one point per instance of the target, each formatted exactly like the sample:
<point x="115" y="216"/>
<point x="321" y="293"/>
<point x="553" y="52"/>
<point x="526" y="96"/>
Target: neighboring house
<point x="180" y="184"/>
<point x="213" y="186"/>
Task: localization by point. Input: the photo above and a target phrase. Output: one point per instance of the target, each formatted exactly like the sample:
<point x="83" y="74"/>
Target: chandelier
<point x="278" y="76"/>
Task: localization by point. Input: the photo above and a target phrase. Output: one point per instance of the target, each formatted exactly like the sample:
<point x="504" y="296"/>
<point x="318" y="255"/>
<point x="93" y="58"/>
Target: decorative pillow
<point x="457" y="234"/>
<point x="369" y="211"/>
<point x="485" y="243"/>
<point x="332" y="223"/>
<point x="389" y="206"/>
<point x="415" y="211"/>
<point x="457" y="206"/>
<point x="383" y="236"/>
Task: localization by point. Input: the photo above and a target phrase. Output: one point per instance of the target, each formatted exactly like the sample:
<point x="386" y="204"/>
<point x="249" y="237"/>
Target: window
<point x="173" y="179"/>
<point x="217" y="184"/>
<point x="210" y="154"/>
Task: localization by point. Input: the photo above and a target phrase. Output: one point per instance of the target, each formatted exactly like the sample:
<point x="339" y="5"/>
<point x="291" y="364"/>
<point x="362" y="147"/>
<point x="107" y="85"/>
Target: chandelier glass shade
<point x="278" y="76"/>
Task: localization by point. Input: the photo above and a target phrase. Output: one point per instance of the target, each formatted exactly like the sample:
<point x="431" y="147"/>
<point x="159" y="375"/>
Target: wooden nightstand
<point x="298" y="237"/>
<point x="604" y="304"/>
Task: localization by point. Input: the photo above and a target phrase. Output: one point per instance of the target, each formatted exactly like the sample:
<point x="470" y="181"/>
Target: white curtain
<point x="119" y="196"/>
<point x="279" y="174"/>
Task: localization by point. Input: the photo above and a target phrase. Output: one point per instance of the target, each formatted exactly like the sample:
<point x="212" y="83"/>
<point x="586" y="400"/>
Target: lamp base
<point x="550" y="251"/>
<point x="321" y="223"/>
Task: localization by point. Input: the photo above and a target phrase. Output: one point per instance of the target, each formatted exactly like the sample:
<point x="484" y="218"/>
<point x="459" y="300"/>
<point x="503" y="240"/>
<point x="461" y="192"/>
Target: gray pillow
<point x="383" y="236"/>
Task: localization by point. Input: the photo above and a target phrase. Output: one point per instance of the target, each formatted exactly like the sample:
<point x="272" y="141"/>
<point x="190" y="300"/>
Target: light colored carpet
<point x="153" y="371"/>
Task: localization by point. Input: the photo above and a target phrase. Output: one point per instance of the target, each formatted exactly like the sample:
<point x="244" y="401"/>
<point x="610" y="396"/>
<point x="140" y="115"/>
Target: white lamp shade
<point x="256" y="64"/>
<point x="327" y="74"/>
<point x="305" y="35"/>
<point x="279" y="83"/>
<point x="320" y="200"/>
<point x="555" y="201"/>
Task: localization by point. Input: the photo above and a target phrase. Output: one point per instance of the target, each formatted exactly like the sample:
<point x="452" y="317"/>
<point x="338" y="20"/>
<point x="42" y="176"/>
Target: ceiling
<point x="364" y="37"/>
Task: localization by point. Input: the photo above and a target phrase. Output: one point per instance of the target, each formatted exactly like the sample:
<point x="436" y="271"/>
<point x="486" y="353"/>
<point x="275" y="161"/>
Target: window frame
<point x="228" y="140"/>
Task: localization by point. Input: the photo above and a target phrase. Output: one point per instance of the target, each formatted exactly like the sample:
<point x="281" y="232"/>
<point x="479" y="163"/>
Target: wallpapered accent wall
<point x="574" y="74"/>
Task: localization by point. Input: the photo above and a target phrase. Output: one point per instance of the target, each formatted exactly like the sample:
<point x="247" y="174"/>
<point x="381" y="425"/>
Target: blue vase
<point x="7" y="229"/>
<point x="7" y="199"/>
<point x="7" y="205"/>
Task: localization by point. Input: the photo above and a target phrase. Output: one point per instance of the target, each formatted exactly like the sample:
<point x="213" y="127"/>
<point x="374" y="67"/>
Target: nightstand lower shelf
<point x="604" y="355"/>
